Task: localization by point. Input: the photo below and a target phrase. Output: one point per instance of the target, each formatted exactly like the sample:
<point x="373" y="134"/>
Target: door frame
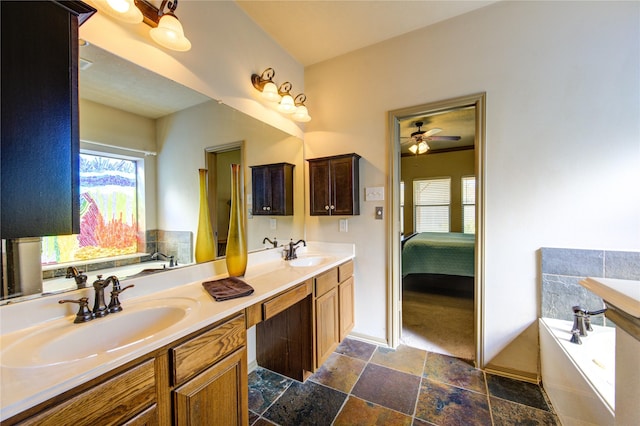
<point x="394" y="272"/>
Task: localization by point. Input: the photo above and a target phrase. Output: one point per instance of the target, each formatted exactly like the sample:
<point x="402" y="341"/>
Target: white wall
<point x="562" y="143"/>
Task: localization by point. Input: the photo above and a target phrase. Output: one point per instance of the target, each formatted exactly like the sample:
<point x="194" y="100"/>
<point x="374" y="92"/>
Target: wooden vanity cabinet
<point x="334" y="309"/>
<point x="334" y="185"/>
<point x="272" y="186"/>
<point x="39" y="108"/>
<point x="201" y="379"/>
<point x="209" y="377"/>
<point x="126" y="398"/>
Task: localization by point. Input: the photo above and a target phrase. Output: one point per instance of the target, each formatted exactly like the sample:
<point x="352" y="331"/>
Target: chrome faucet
<point x="157" y="254"/>
<point x="582" y="323"/>
<point x="274" y="243"/>
<point x="81" y="279"/>
<point x="290" y="251"/>
<point x="100" y="308"/>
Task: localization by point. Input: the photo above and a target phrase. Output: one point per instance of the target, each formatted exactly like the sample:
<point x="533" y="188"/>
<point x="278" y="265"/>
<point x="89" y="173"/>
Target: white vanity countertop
<point x="623" y="294"/>
<point x="26" y="386"/>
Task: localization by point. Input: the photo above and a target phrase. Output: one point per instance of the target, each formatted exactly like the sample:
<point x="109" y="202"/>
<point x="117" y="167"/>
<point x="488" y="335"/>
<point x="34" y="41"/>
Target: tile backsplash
<point x="562" y="270"/>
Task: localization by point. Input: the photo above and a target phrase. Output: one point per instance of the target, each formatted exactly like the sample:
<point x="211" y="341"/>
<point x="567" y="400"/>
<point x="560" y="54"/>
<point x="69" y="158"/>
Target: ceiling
<point x="458" y="122"/>
<point x="345" y="26"/>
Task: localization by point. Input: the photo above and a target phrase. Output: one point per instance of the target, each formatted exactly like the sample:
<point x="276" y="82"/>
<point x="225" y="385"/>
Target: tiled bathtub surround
<point x="172" y="243"/>
<point x="562" y="269"/>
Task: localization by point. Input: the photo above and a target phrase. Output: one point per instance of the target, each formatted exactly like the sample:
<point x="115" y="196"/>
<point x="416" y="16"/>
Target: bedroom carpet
<point x="438" y="320"/>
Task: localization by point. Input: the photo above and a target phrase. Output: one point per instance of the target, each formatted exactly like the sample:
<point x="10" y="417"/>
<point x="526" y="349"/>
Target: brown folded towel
<point x="227" y="288"/>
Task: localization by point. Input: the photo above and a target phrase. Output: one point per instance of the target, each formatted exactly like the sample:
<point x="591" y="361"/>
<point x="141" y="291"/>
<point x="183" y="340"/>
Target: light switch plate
<point x="272" y="224"/>
<point x="374" y="193"/>
<point x="344" y="225"/>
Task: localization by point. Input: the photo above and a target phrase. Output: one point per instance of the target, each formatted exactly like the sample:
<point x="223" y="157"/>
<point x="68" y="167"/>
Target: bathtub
<point x="579" y="379"/>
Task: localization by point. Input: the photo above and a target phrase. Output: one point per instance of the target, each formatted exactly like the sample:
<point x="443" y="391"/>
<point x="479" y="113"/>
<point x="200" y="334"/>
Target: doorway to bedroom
<point x="437" y="148"/>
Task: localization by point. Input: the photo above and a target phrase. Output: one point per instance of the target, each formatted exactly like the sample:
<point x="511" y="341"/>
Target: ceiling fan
<point x="420" y="138"/>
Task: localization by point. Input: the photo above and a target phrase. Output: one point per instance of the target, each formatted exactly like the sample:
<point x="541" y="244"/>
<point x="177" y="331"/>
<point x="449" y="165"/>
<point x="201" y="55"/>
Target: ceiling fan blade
<point x="432" y="132"/>
<point x="443" y="138"/>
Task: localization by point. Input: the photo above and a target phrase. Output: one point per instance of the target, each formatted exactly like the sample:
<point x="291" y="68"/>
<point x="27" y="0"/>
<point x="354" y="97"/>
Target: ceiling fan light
<point x="413" y="149"/>
<point x="169" y="34"/>
<point x="423" y="147"/>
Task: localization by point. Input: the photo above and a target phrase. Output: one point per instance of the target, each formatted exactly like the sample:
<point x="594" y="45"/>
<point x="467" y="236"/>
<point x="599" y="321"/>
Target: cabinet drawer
<point x="279" y="303"/>
<point x="345" y="271"/>
<point x="111" y="402"/>
<point x="197" y="354"/>
<point x="326" y="281"/>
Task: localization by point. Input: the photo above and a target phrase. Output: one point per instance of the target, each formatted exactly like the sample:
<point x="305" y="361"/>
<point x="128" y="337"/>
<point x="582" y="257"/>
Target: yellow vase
<point x="236" y="255"/>
<point x="205" y="247"/>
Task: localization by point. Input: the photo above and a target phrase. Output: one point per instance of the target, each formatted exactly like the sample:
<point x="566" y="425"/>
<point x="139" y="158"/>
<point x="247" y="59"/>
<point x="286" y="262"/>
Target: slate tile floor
<point x="363" y="384"/>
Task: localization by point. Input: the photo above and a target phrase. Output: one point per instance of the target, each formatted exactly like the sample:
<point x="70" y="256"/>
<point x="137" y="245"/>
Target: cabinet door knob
<point x="326" y="207"/>
<point x="268" y="208"/>
<point x="333" y="207"/>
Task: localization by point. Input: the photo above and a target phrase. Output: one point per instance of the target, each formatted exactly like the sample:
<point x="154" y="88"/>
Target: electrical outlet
<point x="344" y="226"/>
<point x="272" y="224"/>
<point x="379" y="213"/>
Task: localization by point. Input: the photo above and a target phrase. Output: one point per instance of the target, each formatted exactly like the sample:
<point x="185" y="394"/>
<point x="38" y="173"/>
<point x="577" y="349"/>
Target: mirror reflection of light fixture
<point x="286" y="105"/>
<point x="166" y="29"/>
<point x="264" y="83"/>
<point x="301" y="114"/>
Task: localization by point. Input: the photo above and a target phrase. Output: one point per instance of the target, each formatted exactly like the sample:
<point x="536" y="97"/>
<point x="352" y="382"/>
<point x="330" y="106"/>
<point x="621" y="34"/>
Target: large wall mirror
<point x="169" y="132"/>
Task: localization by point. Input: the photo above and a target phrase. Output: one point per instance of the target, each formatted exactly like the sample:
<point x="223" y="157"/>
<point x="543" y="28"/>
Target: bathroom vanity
<point x="173" y="350"/>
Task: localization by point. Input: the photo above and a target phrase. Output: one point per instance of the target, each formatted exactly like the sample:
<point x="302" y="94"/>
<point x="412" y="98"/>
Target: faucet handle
<point x="84" y="313"/>
<point x="114" y="304"/>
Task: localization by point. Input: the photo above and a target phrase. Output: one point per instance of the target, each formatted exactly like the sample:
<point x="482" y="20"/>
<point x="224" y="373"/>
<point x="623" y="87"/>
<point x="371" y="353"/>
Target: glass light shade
<point x="270" y="92"/>
<point x="301" y="114"/>
<point x="124" y="10"/>
<point x="413" y="149"/>
<point x="423" y="147"/>
<point x="287" y="105"/>
<point x="169" y="34"/>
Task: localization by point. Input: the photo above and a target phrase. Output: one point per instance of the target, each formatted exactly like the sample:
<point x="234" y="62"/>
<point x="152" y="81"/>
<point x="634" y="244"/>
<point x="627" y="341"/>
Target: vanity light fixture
<point x="166" y="29"/>
<point x="264" y="83"/>
<point x="301" y="114"/>
<point x="286" y="105"/>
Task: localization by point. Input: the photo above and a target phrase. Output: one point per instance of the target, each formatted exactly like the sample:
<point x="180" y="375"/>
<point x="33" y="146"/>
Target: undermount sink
<point x="65" y="342"/>
<point x="307" y="261"/>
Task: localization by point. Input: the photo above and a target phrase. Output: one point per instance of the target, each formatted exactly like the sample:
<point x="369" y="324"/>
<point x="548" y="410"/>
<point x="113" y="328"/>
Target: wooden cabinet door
<point x="272" y="186"/>
<point x="217" y="396"/>
<point x="319" y="189"/>
<point x="346" y="299"/>
<point x="344" y="186"/>
<point x="327" y="329"/>
<point x="261" y="185"/>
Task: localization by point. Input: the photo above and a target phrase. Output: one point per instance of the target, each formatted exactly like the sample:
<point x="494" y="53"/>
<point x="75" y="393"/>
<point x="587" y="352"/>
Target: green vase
<point x="236" y="255"/>
<point x="205" y="244"/>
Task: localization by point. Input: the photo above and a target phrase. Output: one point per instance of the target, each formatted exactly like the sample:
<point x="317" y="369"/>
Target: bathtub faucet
<point x="582" y="323"/>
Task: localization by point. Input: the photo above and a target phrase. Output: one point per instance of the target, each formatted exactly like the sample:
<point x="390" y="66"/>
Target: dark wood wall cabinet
<point x="272" y="186"/>
<point x="334" y="185"/>
<point x="39" y="107"/>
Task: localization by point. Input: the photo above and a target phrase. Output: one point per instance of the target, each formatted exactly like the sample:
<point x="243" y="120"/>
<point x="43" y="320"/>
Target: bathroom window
<point x="108" y="213"/>
<point x="469" y="204"/>
<point x="431" y="201"/>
